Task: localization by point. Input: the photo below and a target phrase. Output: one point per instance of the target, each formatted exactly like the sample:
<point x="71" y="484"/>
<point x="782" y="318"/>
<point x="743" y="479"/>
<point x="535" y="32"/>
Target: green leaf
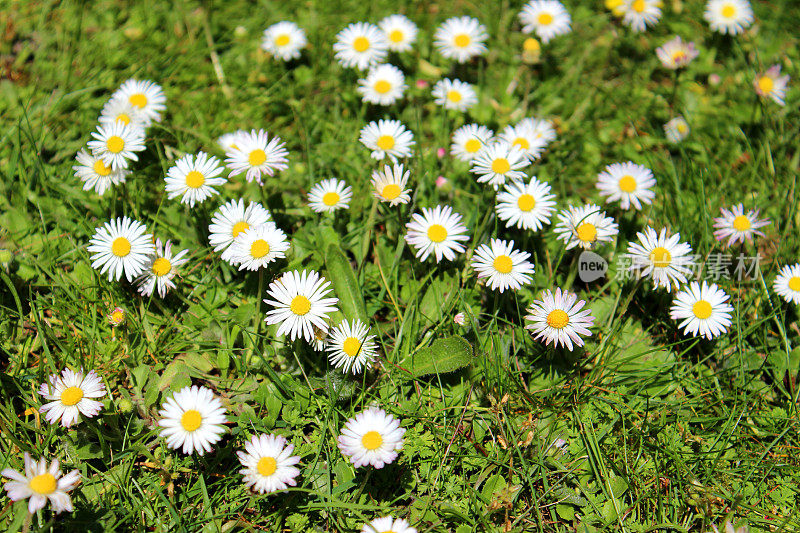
<point x="566" y="512"/>
<point x="343" y="279"/>
<point x="444" y="355"/>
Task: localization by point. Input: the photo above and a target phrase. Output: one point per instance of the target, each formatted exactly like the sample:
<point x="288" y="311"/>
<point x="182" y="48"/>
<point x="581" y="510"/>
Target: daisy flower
<point x="116" y="144"/>
<point x="703" y="309"/>
<point x="400" y="32"/>
<point x="454" y="94"/>
<point x="300" y="304"/>
<point x="41" y="483"/>
<point x="771" y="84"/>
<point x="548" y="18"/>
<point x="738" y="226"/>
<point x="667" y="260"/>
<point x="160" y="269"/>
<point x="257" y="155"/>
<point x="499" y="162"/>
<point x="387" y="524"/>
<point x="118" y="110"/>
<point x="194" y="178"/>
<point x="470" y="139"/>
<point x="350" y="347"/>
<point x="676" y="130"/>
<point x="627" y="183"/>
<point x="116" y="316"/>
<point x="728" y="16"/>
<point x="284" y="40"/>
<point x="232" y="219"/>
<point x="372" y="437"/>
<point x="384" y="85"/>
<point x="387" y="138"/>
<point x="502" y="265"/>
<point x="121" y="246"/>
<point x="193" y="420"/>
<point x="361" y="45"/>
<point x="257" y="247"/>
<point x="675" y="53"/>
<point x="95" y="174"/>
<point x="542" y="128"/>
<point x="71" y="395"/>
<point x="227" y="141"/>
<point x="438" y="231"/>
<point x="641" y="13"/>
<point x="617" y="7"/>
<point x="787" y="284"/>
<point x="531" y="50"/>
<point x="329" y="195"/>
<point x="144" y="95"/>
<point x="524" y="137"/>
<point x="389" y="185"/>
<point x="460" y="38"/>
<point x="268" y="464"/>
<point x="526" y="205"/>
<point x="558" y="319"/>
<point x="585" y="226"/>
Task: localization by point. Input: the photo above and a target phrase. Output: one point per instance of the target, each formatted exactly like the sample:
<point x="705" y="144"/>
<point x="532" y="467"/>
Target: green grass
<point x="662" y="432"/>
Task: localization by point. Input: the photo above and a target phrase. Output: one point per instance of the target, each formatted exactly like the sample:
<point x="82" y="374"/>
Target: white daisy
<point x="542" y="128"/>
<point x="384" y="85"/>
<point x="387" y="138"/>
<point x="300" y="304"/>
<point x="641" y="13"/>
<point x="738" y="226"/>
<point x="119" y="110"/>
<point x="787" y="283"/>
<point x="771" y="84"/>
<point x="227" y="141"/>
<point x="526" y="205"/>
<point x="194" y="178"/>
<point x="675" y="53"/>
<point x="586" y="226"/>
<point x="703" y="309"/>
<point x="460" y="38"/>
<point x="144" y="95"/>
<point x="524" y="137"/>
<point x="667" y="260"/>
<point x="71" y="396"/>
<point x="400" y="32"/>
<point x="372" y="437"/>
<point x="502" y="265"/>
<point x="232" y="219"/>
<point x="268" y="464"/>
<point x="329" y="195"/>
<point x="548" y="18"/>
<point x="361" y="45"/>
<point x="438" y="231"/>
<point x="95" y="174"/>
<point x="121" y="246"/>
<point x="116" y="144"/>
<point x="454" y="94"/>
<point x="389" y="185"/>
<point x="469" y="140"/>
<point x="193" y="420"/>
<point x="284" y="40"/>
<point x="257" y="155"/>
<point x="41" y="483"/>
<point x="498" y="162"/>
<point x="257" y="247"/>
<point x="728" y="16"/>
<point x="161" y="267"/>
<point x="387" y="524"/>
<point x="350" y="347"/>
<point x="628" y="183"/>
<point x="676" y="130"/>
<point x="558" y="319"/>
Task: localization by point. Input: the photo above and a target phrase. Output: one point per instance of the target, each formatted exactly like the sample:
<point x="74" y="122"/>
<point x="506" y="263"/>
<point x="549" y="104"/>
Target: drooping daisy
<point x="526" y="205"/>
<point x="728" y="16"/>
<point x="95" y="174"/>
<point x="628" y="183"/>
<point x="586" y="226"/>
<point x="675" y="53"/>
<point x="300" y="304"/>
<point x="498" y="162"/>
<point x="771" y="84"/>
<point x="269" y="465"/>
<point x="361" y="45"/>
<point x="502" y="265"/>
<point x="118" y="110"/>
<point x="387" y="524"/>
<point x="524" y="137"/>
<point x="71" y="395"/>
<point x="284" y="40"/>
<point x="41" y="483"/>
<point x="460" y="38"/>
<point x="558" y="318"/>
<point x="387" y="138"/>
<point x="257" y="247"/>
<point x="400" y="32"/>
<point x="548" y="18"/>
<point x="438" y="231"/>
<point x="194" y="178"/>
<point x="329" y="195"/>
<point x="667" y="260"/>
<point x="787" y="283"/>
<point x="161" y="267"/>
<point x="384" y="85"/>
<point x="145" y="95"/>
<point x="227" y="141"/>
<point x="121" y="246"/>
<point x="641" y="13"/>
<point x="117" y="143"/>
<point x="193" y="420"/>
<point x="389" y="185"/>
<point x="372" y="437"/>
<point x="454" y="94"/>
<point x="542" y="128"/>
<point x="676" y="130"/>
<point x="350" y="347"/>
<point x="469" y="140"/>
<point x="703" y="309"/>
<point x="738" y="226"/>
<point x="116" y="317"/>
<point x="257" y="155"/>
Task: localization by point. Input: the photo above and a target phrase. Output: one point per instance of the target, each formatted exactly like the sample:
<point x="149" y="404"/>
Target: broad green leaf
<point x="444" y="355"/>
<point x="343" y="280"/>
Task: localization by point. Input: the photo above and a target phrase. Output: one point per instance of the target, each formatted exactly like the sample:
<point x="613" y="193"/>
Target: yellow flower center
<point x="638" y="5"/>
<point x="101" y="169"/>
<point x="361" y="44"/>
<point x="191" y="420"/>
<point x="351" y="346"/>
<point x="741" y="223"/>
<point x="627" y="183"/>
<point x="330" y="198"/>
<point x="678" y="56"/>
<point x="503" y="264"/>
<point x="701" y="309"/>
<point x="385" y="142"/>
<point x="766" y="84"/>
<point x="461" y="40"/>
<point x="396" y="36"/>
<point x="118" y="316"/>
<point x="300" y="305"/>
<point x="681" y="127"/>
<point x="372" y="440"/>
<point x="139" y="100"/>
<point x="282" y="40"/>
<point x="545" y="19"/>
<point x="454" y="96"/>
<point x="526" y="202"/>
<point x="267" y="466"/>
<point x="121" y="247"/>
<point x="558" y="319"/>
<point x="660" y="257"/>
<point x="257" y="157"/>
<point x="437" y="233"/>
<point x="587" y="232"/>
<point x="71" y="396"/>
<point x="239" y="227"/>
<point x="728" y="11"/>
<point x="259" y="248"/>
<point x="124" y="118"/>
<point x="522" y="143"/>
<point x="794" y="284"/>
<point x="161" y="266"/>
<point x="195" y="179"/>
<point x="501" y="165"/>
<point x="43" y="484"/>
<point x="382" y="87"/>
<point x="115" y="144"/>
<point x="472" y="145"/>
<point x="531" y="45"/>
<point x="391" y="191"/>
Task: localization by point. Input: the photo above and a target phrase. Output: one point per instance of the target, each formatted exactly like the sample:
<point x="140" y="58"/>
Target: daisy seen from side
<point x="677" y="129"/>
